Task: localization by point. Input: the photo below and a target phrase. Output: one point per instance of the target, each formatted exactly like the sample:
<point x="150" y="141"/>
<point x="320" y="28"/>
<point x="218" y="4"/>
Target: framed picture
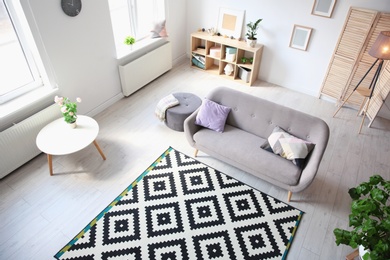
<point x="230" y="22"/>
<point x="323" y="7"/>
<point x="300" y="37"/>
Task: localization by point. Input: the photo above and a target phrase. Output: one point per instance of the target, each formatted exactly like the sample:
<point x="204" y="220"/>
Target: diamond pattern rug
<point x="180" y="208"/>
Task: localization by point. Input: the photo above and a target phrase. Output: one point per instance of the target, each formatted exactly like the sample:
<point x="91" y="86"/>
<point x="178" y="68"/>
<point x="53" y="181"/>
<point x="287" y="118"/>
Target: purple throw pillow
<point x="212" y="115"/>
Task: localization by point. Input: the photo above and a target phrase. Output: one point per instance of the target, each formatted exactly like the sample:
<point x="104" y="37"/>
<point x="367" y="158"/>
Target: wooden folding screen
<point x="381" y="92"/>
<point x="350" y="60"/>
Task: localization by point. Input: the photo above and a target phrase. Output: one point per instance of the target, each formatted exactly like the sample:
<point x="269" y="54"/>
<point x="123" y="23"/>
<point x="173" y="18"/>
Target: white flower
<point x="78" y="100"/>
<point x="63" y="109"/>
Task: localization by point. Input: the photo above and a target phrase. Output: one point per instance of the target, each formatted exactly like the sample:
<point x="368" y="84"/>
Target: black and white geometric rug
<point x="180" y="208"/>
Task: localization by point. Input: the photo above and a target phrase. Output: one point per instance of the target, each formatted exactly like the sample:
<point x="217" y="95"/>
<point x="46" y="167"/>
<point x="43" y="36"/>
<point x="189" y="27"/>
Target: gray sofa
<point x="248" y="125"/>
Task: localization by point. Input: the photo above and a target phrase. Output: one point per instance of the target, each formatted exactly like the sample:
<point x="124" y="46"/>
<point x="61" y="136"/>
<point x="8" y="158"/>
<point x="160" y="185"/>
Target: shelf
<point x="220" y="46"/>
<point x="213" y="69"/>
<point x="245" y="65"/>
<point x="203" y="53"/>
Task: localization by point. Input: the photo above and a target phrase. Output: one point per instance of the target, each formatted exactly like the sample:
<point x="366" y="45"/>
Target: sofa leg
<point x="289" y="196"/>
<point x="196" y="153"/>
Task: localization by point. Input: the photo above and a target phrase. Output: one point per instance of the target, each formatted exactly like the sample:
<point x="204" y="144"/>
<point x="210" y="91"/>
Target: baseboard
<point x="105" y="105"/>
<point x="179" y="60"/>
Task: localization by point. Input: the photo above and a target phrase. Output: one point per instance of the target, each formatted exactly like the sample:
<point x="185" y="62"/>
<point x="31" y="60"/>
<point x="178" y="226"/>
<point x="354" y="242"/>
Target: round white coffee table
<point x="58" y="138"/>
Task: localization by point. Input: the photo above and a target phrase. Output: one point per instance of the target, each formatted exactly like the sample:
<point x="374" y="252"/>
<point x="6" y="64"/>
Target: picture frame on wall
<point x="230" y="22"/>
<point x="300" y="37"/>
<point x="323" y="8"/>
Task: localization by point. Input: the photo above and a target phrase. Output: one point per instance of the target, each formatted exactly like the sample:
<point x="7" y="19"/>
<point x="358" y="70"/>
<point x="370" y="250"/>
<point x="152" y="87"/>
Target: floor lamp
<point x="381" y="51"/>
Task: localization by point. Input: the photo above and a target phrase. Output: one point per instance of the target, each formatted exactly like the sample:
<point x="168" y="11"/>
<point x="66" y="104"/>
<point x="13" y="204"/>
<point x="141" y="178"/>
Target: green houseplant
<point x="68" y="108"/>
<point x="370" y="219"/>
<point x="129" y="40"/>
<point x="252" y="32"/>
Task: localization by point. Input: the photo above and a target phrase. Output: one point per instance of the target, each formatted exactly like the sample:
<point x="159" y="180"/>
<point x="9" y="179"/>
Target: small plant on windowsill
<point x="129" y="40"/>
<point x="68" y="108"/>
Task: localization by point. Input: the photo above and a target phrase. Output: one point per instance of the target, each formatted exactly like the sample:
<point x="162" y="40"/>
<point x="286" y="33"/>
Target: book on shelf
<point x="200" y="58"/>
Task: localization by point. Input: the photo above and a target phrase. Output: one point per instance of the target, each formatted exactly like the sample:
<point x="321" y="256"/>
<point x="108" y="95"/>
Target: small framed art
<point x="300" y="37"/>
<point x="323" y="7"/>
<point x="230" y="22"/>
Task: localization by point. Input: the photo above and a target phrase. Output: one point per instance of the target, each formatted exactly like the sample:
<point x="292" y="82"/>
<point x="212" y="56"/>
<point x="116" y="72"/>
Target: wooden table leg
<point x="100" y="150"/>
<point x="50" y="162"/>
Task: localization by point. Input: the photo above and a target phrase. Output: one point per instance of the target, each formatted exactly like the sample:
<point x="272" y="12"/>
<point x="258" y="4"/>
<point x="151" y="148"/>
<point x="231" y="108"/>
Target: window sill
<point x="24" y="106"/>
<point x="125" y="51"/>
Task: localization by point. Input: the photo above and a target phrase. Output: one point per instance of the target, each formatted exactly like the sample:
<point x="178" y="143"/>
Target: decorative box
<point x="244" y="74"/>
<point x="230" y="57"/>
<point x="231" y="50"/>
<point x="215" y="51"/>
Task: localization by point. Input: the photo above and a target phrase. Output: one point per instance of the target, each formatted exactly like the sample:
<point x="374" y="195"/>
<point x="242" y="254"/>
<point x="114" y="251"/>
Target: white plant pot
<point x="362" y="252"/>
<point x="73" y="125"/>
<point x="251" y="43"/>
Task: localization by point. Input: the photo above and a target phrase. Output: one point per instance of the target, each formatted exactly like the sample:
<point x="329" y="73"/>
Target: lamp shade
<point x="381" y="47"/>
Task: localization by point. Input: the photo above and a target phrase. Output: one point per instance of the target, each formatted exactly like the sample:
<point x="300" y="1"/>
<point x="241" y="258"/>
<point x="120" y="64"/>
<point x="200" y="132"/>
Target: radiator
<point x="17" y="143"/>
<point x="146" y="68"/>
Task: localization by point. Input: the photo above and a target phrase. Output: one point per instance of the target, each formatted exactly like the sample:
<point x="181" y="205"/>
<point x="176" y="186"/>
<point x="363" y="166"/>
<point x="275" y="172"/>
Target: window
<point x="19" y="63"/>
<point x="136" y="18"/>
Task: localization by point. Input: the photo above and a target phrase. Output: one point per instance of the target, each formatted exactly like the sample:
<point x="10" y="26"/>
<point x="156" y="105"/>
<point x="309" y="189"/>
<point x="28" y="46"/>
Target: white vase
<point x="73" y="125"/>
<point x="362" y="251"/>
<point x="251" y="43"/>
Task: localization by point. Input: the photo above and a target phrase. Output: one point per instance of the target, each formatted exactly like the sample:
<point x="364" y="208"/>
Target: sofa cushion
<point x="241" y="149"/>
<point x="212" y="115"/>
<point x="159" y="30"/>
<point x="288" y="146"/>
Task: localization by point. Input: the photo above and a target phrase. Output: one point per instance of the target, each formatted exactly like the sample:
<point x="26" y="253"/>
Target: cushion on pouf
<point x="176" y="115"/>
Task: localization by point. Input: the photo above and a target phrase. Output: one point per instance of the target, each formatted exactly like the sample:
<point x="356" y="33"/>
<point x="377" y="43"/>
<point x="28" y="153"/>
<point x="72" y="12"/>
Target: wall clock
<point x="71" y="7"/>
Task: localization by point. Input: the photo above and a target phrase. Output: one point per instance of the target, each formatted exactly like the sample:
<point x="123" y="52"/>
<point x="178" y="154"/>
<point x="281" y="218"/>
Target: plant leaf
<point x="379" y="195"/>
<point x="375" y="179"/>
<point x="354" y="194"/>
<point x="363" y="188"/>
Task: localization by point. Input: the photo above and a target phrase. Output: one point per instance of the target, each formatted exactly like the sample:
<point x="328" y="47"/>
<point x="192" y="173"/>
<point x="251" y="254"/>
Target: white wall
<point x="81" y="49"/>
<point x="291" y="68"/>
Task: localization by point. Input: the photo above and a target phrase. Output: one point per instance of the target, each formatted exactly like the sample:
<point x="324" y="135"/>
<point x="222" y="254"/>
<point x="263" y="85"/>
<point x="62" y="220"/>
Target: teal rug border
<point x="112" y="204"/>
<point x="293" y="234"/>
<point x="134" y="183"/>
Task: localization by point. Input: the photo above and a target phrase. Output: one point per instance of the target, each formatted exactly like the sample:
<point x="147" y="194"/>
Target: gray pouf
<point x="175" y="116"/>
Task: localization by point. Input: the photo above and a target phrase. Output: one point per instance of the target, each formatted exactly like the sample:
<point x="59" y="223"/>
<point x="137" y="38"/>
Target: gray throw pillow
<point x="288" y="146"/>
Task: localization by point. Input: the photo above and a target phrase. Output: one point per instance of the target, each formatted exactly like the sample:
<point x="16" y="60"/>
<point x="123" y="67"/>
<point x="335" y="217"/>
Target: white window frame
<point x="29" y="49"/>
<point x="141" y="40"/>
<point x="24" y="105"/>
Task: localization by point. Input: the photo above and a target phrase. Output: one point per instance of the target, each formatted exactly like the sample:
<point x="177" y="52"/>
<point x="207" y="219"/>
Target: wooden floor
<point x="39" y="214"/>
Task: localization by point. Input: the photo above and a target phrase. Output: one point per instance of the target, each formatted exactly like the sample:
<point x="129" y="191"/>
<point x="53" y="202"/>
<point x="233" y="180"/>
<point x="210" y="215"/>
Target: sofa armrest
<point x="314" y="161"/>
<point x="190" y="128"/>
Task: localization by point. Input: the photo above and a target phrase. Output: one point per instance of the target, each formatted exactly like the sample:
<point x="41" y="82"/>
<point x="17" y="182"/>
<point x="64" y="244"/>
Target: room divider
<point x="350" y="61"/>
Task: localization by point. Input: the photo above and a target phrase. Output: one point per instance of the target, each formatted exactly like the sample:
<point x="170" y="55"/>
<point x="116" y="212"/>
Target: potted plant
<point x="370" y="218"/>
<point x="252" y="32"/>
<point x="68" y="109"/>
<point x="244" y="60"/>
<point x="129" y="40"/>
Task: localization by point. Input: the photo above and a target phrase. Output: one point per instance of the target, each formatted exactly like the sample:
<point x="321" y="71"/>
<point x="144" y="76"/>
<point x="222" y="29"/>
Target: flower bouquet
<point x="68" y="108"/>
